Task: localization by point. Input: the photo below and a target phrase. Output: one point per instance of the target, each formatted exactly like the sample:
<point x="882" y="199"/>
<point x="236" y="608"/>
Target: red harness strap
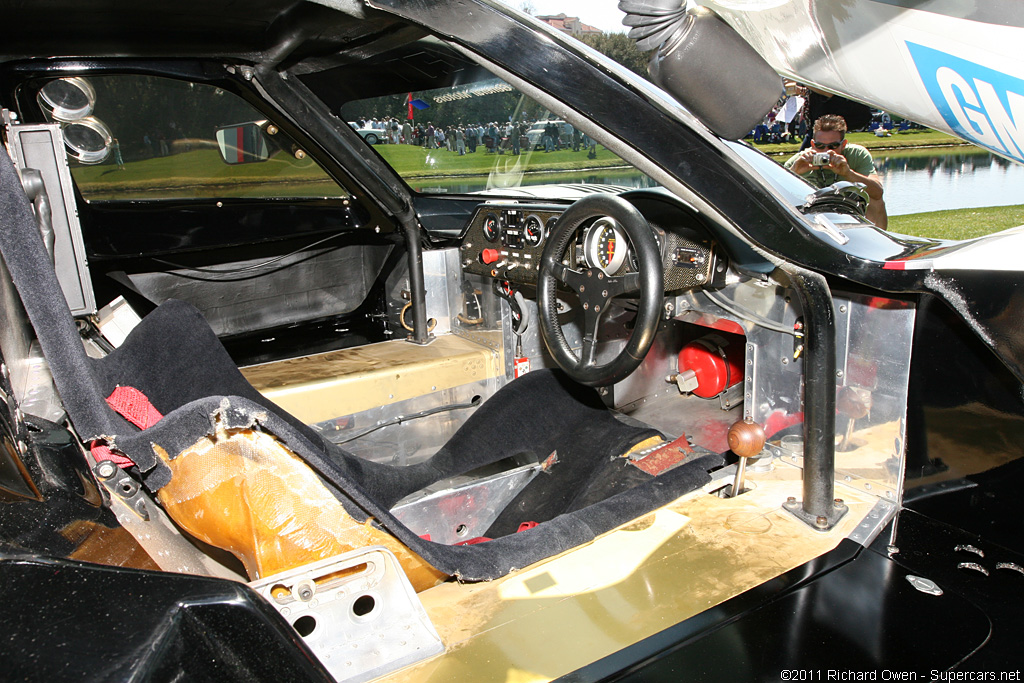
<point x="132" y="405"/>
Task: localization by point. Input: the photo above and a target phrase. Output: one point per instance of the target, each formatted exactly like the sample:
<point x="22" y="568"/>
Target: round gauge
<point x="605" y="245"/>
<point x="533" y="231"/>
<point x="491" y="227"/>
<point x="634" y="261"/>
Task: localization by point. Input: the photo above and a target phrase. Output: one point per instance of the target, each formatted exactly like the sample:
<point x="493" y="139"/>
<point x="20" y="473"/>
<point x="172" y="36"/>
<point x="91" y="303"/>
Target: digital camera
<point x="821" y="159"/>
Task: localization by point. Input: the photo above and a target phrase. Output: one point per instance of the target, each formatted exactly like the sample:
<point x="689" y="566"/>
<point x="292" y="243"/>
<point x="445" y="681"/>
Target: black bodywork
<point x="852" y="609"/>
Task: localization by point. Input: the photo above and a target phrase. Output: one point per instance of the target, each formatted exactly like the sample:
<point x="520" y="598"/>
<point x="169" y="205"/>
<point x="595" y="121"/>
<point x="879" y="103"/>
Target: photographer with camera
<point x="831" y="158"/>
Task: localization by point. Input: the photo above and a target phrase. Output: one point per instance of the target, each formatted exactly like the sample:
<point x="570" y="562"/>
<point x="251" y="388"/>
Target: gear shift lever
<point x="746" y="439"/>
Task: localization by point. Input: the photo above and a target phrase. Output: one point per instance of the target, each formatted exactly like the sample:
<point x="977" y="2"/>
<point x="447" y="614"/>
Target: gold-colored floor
<point x="562" y="614"/>
<point x="328" y="385"/>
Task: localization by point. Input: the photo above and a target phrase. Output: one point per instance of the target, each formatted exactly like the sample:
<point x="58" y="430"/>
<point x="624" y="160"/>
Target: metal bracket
<point x="462" y="512"/>
<point x="750" y="385"/>
<point x="148" y="524"/>
<point x="824" y="522"/>
<point x="732" y="397"/>
<point x="357" y="612"/>
<point x="120" y="484"/>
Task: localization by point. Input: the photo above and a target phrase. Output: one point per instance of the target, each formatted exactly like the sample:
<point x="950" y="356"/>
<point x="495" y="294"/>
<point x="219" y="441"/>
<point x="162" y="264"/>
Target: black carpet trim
<point x="365" y="489"/>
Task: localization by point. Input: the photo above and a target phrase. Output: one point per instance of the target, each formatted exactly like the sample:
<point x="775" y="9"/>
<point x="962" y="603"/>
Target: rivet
<point x="106" y="469"/>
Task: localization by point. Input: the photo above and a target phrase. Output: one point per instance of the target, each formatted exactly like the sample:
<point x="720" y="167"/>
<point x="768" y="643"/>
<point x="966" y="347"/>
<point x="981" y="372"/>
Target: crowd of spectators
<point x="793" y="118"/>
<point x="494" y="137"/>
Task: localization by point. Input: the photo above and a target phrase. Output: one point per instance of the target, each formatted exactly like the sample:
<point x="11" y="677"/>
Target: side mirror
<point x="242" y="144"/>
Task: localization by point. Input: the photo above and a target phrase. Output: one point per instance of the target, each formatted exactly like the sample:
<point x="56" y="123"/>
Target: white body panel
<point x="942" y="64"/>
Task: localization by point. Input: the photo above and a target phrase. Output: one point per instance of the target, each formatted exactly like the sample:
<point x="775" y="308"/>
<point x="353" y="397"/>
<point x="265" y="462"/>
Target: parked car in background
<point x="536" y="133"/>
<point x="372" y="136"/>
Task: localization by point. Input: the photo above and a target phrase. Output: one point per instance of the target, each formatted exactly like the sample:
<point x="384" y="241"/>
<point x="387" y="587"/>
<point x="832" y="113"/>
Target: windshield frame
<point x="679" y="153"/>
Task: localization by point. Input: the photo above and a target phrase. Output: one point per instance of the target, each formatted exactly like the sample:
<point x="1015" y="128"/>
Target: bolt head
<point x="821" y="522"/>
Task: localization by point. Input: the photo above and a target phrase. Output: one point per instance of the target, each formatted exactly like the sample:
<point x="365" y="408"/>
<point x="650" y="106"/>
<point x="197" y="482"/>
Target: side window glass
<point x="149" y="138"/>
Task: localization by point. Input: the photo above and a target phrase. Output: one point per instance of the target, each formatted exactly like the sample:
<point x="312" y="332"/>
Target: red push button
<point x="489" y="256"/>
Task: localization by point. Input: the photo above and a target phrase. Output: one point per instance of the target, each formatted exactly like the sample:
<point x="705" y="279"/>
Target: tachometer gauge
<point x="491" y="227"/>
<point x="533" y="231"/>
<point x="605" y="246"/>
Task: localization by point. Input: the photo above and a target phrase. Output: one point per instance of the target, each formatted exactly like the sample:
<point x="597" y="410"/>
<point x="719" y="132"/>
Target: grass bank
<point x="958" y="224"/>
<point x="906" y="140"/>
<point x="411" y="161"/>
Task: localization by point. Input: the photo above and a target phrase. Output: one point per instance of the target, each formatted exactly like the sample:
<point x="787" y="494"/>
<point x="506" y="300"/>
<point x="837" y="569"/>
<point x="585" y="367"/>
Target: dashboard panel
<point x="506" y="241"/>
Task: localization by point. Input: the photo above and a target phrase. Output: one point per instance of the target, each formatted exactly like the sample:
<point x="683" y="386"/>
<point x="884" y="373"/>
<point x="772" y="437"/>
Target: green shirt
<point x="858" y="157"/>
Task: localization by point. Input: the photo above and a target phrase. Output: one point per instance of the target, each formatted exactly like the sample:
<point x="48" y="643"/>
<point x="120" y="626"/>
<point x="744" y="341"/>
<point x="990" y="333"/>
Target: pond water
<point x="949" y="180"/>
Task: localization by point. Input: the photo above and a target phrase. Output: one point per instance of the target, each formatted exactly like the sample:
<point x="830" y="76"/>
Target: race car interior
<point x="268" y="368"/>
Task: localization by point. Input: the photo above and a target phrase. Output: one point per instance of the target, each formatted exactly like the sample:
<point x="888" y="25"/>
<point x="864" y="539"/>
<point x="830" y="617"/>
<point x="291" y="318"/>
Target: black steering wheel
<point x="596" y="289"/>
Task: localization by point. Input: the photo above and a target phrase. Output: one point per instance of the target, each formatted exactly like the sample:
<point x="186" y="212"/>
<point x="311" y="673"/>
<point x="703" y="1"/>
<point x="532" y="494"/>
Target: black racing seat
<point x="178" y="363"/>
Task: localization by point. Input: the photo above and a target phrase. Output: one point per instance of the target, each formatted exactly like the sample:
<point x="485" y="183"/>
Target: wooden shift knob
<point x="854" y="402"/>
<point x="746" y="438"/>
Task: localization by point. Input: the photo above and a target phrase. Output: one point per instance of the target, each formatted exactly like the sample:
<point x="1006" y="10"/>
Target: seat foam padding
<point x="244" y="492"/>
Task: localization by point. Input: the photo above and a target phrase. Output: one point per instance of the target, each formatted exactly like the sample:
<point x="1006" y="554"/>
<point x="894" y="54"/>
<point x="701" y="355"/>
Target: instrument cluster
<point x="507" y="241"/>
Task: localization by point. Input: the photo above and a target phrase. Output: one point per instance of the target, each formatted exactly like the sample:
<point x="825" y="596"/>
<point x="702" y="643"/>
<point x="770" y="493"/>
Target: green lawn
<point x="416" y="162"/>
<point x="958" y="224"/>
<point x="201" y="172"/>
<point x="906" y="140"/>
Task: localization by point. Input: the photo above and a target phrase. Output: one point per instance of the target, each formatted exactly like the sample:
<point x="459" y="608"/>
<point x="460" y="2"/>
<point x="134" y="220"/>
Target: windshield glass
<point x="151" y="138"/>
<point x="481" y="136"/>
<point x="789" y="185"/>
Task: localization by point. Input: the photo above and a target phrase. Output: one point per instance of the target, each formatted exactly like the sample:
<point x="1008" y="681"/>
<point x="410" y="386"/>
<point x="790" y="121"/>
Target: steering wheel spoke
<point x="573" y="279"/>
<point x="591" y="322"/>
<point x="595" y="291"/>
<point x="623" y="284"/>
